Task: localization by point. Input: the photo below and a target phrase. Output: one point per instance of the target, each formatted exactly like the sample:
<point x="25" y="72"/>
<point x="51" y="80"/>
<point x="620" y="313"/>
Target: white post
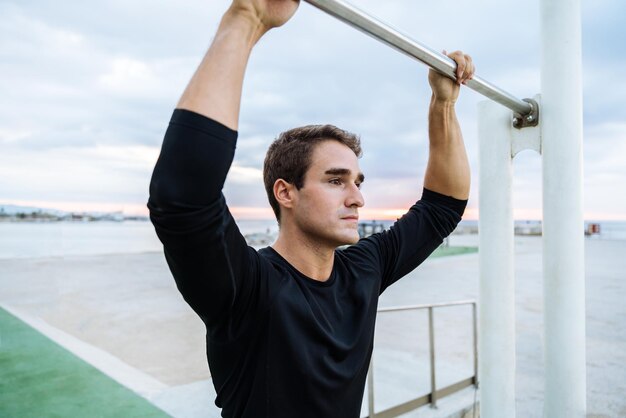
<point x="563" y="235"/>
<point x="497" y="283"/>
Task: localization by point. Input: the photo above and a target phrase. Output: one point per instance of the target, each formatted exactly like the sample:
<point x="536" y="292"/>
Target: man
<point x="290" y="327"/>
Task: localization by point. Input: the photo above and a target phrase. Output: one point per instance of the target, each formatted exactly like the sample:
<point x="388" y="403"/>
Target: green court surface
<point x="445" y="251"/>
<point x="38" y="378"/>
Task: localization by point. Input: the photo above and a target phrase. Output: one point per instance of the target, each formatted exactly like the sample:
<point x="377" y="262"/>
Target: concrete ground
<point x="123" y="314"/>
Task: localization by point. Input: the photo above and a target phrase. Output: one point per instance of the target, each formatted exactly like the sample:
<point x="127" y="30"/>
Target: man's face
<point x="326" y="207"/>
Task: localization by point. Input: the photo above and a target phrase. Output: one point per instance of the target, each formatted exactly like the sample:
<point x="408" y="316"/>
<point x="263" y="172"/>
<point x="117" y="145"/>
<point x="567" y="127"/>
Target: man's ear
<point x="284" y="193"/>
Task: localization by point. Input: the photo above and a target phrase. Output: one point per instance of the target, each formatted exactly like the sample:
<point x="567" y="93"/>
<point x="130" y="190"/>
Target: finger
<point x="471" y="67"/>
<point x="461" y="65"/>
<point x="464" y="66"/>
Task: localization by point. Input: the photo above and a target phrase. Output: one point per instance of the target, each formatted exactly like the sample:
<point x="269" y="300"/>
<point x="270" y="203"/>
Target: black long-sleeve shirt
<point x="279" y="344"/>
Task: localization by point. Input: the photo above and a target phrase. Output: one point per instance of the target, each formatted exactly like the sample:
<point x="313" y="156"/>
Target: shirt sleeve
<point x="412" y="238"/>
<point x="212" y="265"/>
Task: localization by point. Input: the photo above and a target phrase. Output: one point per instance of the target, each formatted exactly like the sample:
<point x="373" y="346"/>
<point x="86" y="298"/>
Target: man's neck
<point x="312" y="259"/>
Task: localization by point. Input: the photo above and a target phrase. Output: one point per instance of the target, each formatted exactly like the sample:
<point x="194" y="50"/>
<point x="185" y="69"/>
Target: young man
<point x="290" y="327"/>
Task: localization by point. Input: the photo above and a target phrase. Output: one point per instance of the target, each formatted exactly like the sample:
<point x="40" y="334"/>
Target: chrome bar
<point x="431" y="305"/>
<point x="435" y="394"/>
<point x="370" y="389"/>
<point x="475" y="319"/>
<point x="384" y="33"/>
<point x="405" y="407"/>
<point x="424" y="400"/>
<point x="455" y="387"/>
<point x="431" y="339"/>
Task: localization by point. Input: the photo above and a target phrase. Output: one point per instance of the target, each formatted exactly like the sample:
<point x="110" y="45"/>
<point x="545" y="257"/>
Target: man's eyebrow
<point x="344" y="172"/>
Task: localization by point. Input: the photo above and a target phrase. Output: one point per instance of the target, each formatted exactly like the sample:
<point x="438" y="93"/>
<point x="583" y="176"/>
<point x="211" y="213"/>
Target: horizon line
<point x="266" y="213"/>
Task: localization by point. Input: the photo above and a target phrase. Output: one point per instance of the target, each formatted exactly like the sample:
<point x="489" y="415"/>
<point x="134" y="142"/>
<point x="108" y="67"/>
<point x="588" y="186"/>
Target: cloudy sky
<point x="87" y="89"/>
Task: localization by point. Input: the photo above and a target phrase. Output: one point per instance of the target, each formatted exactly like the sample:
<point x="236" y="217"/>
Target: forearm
<point x="448" y="169"/>
<point x="215" y="88"/>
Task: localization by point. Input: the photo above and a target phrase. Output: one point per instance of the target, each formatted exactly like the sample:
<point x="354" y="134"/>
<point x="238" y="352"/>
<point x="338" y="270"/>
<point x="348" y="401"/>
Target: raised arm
<point x="448" y="169"/>
<point x="215" y="88"/>
<point x="421" y="230"/>
<point x="209" y="259"/>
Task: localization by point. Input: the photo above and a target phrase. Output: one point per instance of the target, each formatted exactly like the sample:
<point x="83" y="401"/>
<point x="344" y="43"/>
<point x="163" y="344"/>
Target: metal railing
<point x="435" y="394"/>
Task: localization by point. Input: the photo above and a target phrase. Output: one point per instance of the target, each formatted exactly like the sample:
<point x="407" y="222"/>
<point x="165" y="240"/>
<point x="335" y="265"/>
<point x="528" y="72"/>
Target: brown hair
<point x="289" y="156"/>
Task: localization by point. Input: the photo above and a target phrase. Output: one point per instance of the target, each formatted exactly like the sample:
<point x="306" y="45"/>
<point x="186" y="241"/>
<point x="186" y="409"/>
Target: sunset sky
<point x="87" y="89"/>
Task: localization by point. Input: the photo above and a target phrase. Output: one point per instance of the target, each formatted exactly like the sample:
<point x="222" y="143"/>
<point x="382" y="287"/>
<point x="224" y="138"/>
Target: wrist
<point x="245" y="21"/>
<point x="442" y="102"/>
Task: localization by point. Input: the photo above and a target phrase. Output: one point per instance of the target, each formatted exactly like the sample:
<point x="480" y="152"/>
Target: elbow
<point x="164" y="195"/>
<point x="158" y="194"/>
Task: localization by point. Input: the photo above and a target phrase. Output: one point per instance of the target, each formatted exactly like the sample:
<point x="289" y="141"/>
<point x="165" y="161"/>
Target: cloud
<point x="604" y="173"/>
<point x="100" y="174"/>
<point x="129" y="75"/>
<point x="245" y="175"/>
<point x="88" y="89"/>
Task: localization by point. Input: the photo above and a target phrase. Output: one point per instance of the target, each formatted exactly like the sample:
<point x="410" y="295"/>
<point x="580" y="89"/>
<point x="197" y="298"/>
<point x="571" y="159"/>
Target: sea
<point x="60" y="239"/>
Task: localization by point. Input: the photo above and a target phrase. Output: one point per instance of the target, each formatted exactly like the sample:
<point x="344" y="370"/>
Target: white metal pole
<point x="497" y="283"/>
<point x="563" y="229"/>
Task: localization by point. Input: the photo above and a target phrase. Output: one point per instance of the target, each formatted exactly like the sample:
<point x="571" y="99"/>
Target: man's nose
<point x="355" y="198"/>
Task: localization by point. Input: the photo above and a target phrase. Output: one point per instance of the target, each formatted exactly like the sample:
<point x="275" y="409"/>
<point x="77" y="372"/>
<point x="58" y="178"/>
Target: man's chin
<point x="349" y="239"/>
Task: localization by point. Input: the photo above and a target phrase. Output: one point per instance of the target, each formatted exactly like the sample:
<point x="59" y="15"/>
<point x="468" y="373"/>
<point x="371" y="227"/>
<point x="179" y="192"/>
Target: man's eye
<point x="335" y="181"/>
<point x="358" y="185"/>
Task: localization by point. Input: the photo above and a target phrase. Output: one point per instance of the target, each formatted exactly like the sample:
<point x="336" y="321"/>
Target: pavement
<point x="123" y="314"/>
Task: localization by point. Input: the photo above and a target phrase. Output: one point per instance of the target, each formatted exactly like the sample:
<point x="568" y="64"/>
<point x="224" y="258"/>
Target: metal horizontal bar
<point x="432" y="305"/>
<point x="449" y="390"/>
<point x="411" y="405"/>
<point x="404" y="407"/>
<point x="384" y="33"/>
